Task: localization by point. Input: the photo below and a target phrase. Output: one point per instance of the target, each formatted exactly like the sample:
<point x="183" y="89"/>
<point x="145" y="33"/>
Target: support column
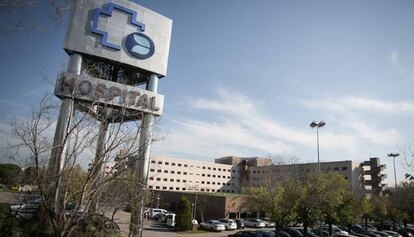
<point x="98" y="170"/>
<point x="61" y="139"/>
<point x="141" y="165"/>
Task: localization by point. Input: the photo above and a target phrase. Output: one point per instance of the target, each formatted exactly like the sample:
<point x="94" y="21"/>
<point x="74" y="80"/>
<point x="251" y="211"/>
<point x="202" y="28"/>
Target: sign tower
<point x="129" y="45"/>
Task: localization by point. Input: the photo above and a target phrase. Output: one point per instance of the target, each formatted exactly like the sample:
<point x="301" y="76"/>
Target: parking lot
<point x="156" y="229"/>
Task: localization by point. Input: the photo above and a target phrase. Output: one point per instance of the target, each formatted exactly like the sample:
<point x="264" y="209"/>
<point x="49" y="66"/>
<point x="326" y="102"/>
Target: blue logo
<point x="137" y="44"/>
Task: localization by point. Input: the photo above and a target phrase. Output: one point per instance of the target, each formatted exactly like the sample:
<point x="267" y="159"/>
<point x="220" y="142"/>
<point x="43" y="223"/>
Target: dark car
<point x="404" y="232"/>
<point x="318" y="232"/>
<point x="251" y="233"/>
<point x="293" y="232"/>
<point x="309" y="233"/>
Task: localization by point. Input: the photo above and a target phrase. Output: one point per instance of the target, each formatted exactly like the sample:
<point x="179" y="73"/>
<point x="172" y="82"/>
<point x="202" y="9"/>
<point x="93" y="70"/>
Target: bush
<point x="183" y="218"/>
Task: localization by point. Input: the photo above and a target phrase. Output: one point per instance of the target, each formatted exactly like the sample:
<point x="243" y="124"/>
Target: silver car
<point x="213" y="225"/>
<point x="229" y="224"/>
<point x="257" y="223"/>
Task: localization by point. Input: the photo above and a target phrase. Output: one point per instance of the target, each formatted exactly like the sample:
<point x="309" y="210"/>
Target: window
<point x="171" y="188"/>
<point x="208" y="182"/>
<point x="209" y="168"/>
<point x="202" y="182"/>
<point x="172" y="172"/>
<point x="150" y="187"/>
<point x="212" y="190"/>
<point x="151" y="178"/>
<point x="203" y="175"/>
<point x="213" y="183"/>
<point x="204" y="167"/>
<point x="219" y="169"/>
<point x="152" y="170"/>
<point x="185" y="165"/>
<point x="179" y="165"/>
<point x="178" y="172"/>
<point x="165" y="179"/>
<point x="183" y="189"/>
<point x="344" y="168"/>
<point x="173" y="164"/>
<point x="208" y="190"/>
<point x="165" y="171"/>
<point x="185" y="173"/>
<point x="153" y="162"/>
<point x="233" y="171"/>
<point x="167" y="163"/>
<point x="159" y="171"/>
<point x="208" y="175"/>
<point x="164" y="187"/>
<point x="184" y="181"/>
<point x="158" y="179"/>
<point x="336" y="168"/>
<point x="214" y="168"/>
<point x="214" y="175"/>
<point x="254" y="171"/>
<point x="157" y="187"/>
<point x="160" y="162"/>
<point x="228" y="177"/>
<point x="177" y="188"/>
<point x="232" y="177"/>
<point x="224" y="183"/>
<point x="219" y="176"/>
<point x="171" y="180"/>
<point x="178" y="180"/>
<point x="228" y="170"/>
<point x="202" y="190"/>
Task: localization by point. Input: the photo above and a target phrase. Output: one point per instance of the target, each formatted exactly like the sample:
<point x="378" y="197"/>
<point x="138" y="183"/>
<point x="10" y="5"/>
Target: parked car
<point x="156" y="211"/>
<point x="268" y="222"/>
<point x="240" y="223"/>
<point x="404" y="232"/>
<point x="214" y="225"/>
<point x="229" y="224"/>
<point x="318" y="232"/>
<point x="309" y="232"/>
<point x="336" y="230"/>
<point x="256" y="223"/>
<point x="170" y="220"/>
<point x="293" y="231"/>
<point x="392" y="233"/>
<point x="257" y="233"/>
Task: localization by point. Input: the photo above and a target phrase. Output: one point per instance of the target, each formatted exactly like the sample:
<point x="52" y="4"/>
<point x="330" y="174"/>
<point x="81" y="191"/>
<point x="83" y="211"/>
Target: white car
<point x="229" y="224"/>
<point x="156" y="211"/>
<point x="213" y="225"/>
<point x="256" y="223"/>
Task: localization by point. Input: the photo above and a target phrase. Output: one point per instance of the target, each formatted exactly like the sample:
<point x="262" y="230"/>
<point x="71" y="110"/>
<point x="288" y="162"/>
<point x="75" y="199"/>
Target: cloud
<point x="352" y="103"/>
<point x="377" y="136"/>
<point x="241" y="127"/>
<point x="395" y="58"/>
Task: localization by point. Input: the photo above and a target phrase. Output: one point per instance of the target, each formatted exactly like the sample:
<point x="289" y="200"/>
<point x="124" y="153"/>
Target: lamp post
<point x="316" y="125"/>
<point x="158" y="201"/>
<point x="393" y="155"/>
<point x="192" y="210"/>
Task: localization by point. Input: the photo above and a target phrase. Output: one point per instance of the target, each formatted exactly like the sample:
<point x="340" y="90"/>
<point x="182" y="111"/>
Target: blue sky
<point x="247" y="77"/>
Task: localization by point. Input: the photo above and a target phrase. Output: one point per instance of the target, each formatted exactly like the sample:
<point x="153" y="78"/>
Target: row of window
<point x="184" y="189"/>
<point x="185" y="173"/>
<point x="191" y="166"/>
<point x="185" y="181"/>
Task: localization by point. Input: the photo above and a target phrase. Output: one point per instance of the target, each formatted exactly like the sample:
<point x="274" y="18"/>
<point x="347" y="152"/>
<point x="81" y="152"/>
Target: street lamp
<point x="393" y="155"/>
<point x="158" y="202"/>
<point x="316" y="125"/>
<point x="192" y="209"/>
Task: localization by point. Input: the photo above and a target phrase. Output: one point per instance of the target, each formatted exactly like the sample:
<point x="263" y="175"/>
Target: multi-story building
<point x="172" y="174"/>
<point x="229" y="174"/>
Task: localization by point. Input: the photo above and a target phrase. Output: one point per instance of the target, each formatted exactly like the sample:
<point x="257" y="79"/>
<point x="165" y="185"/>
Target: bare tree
<point x="87" y="192"/>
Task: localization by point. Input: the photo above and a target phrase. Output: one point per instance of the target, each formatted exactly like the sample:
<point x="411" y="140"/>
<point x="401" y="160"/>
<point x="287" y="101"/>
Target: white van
<point x="171" y="220"/>
<point x="156" y="211"/>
